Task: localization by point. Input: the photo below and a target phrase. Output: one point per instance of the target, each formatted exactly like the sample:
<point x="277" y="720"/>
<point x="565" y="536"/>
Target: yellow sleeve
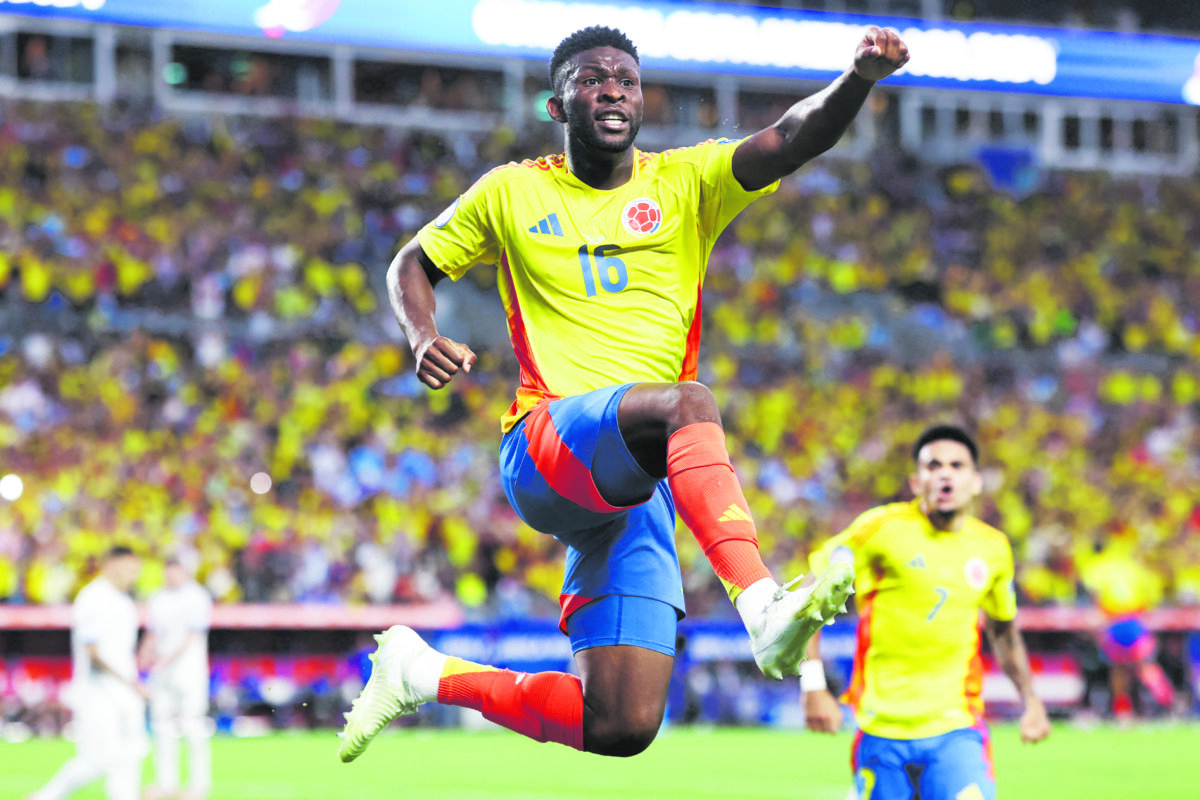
<point x="849" y="546"/>
<point x="464" y="235"/>
<point x="1000" y="602"/>
<point x="820" y="559"/>
<point x="721" y="196"/>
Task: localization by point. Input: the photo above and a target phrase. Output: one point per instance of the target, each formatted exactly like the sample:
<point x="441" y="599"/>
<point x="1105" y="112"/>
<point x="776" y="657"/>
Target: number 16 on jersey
<point x="597" y="264"/>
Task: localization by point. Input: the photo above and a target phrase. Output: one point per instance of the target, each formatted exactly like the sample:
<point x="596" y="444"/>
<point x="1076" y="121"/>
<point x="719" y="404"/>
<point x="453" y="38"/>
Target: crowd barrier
<point x="449" y="614"/>
<point x="715" y="680"/>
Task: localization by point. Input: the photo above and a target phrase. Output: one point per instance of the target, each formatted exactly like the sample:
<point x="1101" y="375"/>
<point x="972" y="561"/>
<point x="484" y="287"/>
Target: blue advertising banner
<point x="706" y="37"/>
<point x="536" y="644"/>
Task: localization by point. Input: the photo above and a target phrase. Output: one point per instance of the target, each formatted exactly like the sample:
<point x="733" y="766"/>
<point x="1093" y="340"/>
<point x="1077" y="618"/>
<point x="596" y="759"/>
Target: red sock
<point x="545" y="706"/>
<point x="1158" y="683"/>
<point x="710" y="502"/>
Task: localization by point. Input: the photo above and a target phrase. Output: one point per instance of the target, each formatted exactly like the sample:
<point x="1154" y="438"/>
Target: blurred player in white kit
<point x="175" y="650"/>
<point x="108" y="701"/>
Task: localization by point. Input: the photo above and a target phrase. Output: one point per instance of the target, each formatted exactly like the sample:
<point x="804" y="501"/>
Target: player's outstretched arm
<point x="1009" y="648"/>
<point x="410" y="281"/>
<point x="817" y="122"/>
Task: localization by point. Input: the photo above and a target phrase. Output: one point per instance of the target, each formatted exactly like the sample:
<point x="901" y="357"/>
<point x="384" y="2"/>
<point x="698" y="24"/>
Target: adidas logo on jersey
<point x="918" y="562"/>
<point x="734" y="513"/>
<point x="547" y="225"/>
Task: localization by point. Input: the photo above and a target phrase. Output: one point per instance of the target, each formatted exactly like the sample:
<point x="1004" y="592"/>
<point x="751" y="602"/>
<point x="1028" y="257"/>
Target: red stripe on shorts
<point x="570" y="603"/>
<point x="564" y="473"/>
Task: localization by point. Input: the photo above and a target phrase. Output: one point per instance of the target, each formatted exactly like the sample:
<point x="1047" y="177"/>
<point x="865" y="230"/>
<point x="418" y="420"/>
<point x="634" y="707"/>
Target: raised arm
<point x="1009" y="648"/>
<point x="410" y="281"/>
<point x="817" y="122"/>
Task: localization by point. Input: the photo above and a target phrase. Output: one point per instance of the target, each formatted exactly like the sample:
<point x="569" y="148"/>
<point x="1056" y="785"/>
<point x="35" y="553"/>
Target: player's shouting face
<point x="946" y="481"/>
<point x="602" y="99"/>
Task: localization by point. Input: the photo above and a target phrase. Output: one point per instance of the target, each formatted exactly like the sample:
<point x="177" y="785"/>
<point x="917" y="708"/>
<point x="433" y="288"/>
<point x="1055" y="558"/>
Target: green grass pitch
<point x="1153" y="761"/>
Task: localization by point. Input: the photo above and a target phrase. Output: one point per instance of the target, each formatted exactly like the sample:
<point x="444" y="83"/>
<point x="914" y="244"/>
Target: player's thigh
<point x="959" y="768"/>
<point x="131" y="716"/>
<point x="565" y="466"/>
<point x="550" y="465"/>
<point x="95" y="723"/>
<point x="193" y="697"/>
<point x="109" y="724"/>
<point x="164" y="701"/>
<point x="881" y="768"/>
<point x="625" y="649"/>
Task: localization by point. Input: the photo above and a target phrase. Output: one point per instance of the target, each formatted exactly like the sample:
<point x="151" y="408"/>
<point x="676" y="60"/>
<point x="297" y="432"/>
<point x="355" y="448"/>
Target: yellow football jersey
<point x="600" y="287"/>
<point x="1120" y="582"/>
<point x="919" y="591"/>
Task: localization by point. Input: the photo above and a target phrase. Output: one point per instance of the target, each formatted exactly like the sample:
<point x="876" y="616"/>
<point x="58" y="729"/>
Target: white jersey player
<point x="109" y="711"/>
<point x="176" y="649"/>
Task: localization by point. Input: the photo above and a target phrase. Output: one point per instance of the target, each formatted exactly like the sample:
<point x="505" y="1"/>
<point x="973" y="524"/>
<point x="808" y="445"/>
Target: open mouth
<point x="612" y="120"/>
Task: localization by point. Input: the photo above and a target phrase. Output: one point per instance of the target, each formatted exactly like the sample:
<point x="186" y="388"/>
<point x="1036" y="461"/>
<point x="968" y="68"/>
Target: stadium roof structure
<point x="713" y="37"/>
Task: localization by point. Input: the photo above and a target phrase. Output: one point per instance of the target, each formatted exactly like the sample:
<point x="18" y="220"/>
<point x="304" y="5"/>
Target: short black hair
<point x="939" y="433"/>
<point x="586" y="39"/>
<point x="119" y="550"/>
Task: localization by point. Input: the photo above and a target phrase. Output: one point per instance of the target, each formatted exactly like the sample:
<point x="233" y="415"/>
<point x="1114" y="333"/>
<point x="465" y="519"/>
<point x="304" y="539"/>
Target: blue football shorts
<point x="567" y="472"/>
<point x="618" y="619"/>
<point x="954" y="766"/>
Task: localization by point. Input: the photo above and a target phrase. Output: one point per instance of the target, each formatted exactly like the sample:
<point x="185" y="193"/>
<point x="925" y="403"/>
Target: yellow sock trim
<point x="459" y="666"/>
<point x="731" y="589"/>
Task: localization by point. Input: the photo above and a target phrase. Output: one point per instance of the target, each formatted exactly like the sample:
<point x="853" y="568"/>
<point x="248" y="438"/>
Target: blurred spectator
<point x="35" y="62"/>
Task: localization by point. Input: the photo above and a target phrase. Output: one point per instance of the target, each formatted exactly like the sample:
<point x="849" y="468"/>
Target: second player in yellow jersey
<point x="927" y="572"/>
<point x="918" y="583"/>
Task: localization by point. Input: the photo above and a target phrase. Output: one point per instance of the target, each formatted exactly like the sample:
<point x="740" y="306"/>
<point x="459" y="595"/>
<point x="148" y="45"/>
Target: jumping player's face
<point x="946" y="479"/>
<point x="602" y="99"/>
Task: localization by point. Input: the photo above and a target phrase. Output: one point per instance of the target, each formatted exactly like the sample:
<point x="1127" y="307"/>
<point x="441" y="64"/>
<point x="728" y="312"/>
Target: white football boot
<point x="792" y="617"/>
<point x="388" y="694"/>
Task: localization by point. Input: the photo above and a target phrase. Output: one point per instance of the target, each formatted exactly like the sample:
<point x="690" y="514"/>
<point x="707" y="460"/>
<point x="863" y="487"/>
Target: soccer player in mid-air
<point x="926" y="568"/>
<point x="601" y="253"/>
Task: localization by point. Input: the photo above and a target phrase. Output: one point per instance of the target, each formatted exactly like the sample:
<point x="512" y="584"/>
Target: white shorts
<point x="109" y="722"/>
<point x="178" y="697"/>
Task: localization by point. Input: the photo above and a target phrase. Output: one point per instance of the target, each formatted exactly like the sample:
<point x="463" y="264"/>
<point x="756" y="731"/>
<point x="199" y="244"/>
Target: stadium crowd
<point x="189" y="303"/>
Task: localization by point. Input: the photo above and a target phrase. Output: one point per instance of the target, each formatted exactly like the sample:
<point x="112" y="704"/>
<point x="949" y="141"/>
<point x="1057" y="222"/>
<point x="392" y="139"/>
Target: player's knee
<point x="692" y="402"/>
<point x="620" y="743"/>
<point x="195" y="728"/>
<point x="165" y="728"/>
<point x="626" y="735"/>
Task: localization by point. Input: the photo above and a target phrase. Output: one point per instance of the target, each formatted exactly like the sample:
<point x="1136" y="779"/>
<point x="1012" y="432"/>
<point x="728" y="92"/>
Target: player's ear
<point x="554" y="107"/>
<point x="977" y="483"/>
<point x="914" y="484"/>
